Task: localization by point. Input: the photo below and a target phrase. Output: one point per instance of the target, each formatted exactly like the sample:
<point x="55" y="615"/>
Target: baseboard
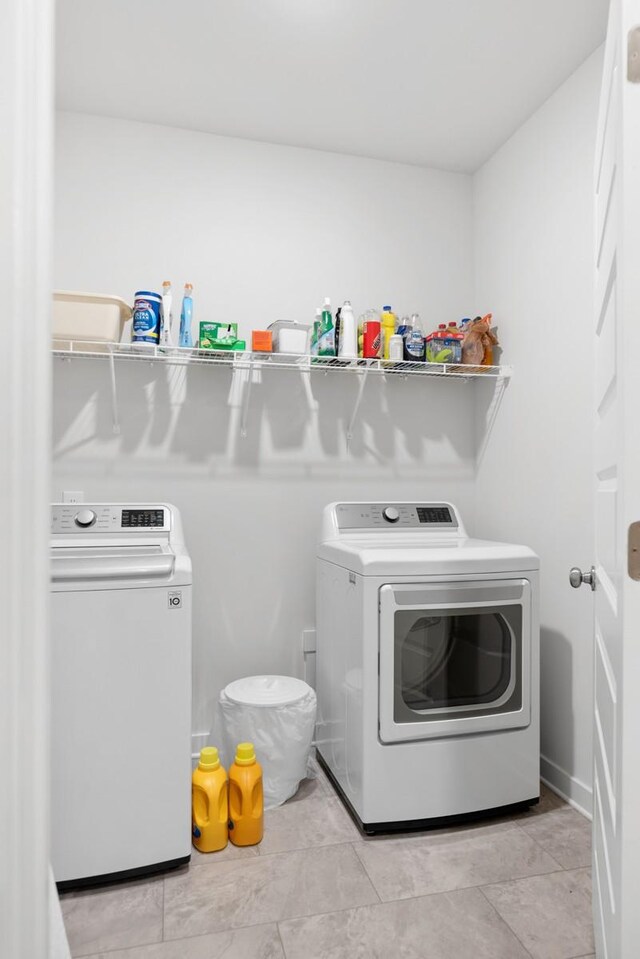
<point x="573" y="790"/>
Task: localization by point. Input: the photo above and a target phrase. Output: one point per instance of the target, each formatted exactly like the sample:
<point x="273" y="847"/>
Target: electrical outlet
<point x="308" y="640"/>
<point x="73" y="496"/>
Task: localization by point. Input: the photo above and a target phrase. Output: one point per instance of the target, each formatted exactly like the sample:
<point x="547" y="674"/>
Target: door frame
<point x="26" y="166"/>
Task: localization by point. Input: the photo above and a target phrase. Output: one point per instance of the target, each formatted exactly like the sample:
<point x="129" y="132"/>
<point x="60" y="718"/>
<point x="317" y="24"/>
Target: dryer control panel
<point x="109" y="518"/>
<point x="380" y="516"/>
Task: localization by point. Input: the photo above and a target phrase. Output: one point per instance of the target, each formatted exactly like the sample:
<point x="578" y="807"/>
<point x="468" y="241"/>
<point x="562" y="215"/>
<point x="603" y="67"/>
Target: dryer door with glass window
<point x="454" y="658"/>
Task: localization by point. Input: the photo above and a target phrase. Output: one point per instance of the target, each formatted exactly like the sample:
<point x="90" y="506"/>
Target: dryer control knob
<point x="85" y="518"/>
<point x="391" y="514"/>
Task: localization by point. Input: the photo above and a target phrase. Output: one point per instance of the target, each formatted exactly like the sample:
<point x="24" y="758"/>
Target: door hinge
<point x="633" y="551"/>
<point x="633" y="55"/>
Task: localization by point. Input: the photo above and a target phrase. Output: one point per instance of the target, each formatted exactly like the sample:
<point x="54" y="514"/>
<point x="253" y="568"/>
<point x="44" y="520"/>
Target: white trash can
<point x="278" y="715"/>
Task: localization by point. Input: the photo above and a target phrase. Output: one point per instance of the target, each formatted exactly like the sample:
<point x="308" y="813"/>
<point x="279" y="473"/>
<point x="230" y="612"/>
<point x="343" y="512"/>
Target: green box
<point x="218" y="336"/>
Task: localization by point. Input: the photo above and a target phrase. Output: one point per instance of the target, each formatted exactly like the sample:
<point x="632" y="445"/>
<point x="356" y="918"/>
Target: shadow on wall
<point x="194" y="415"/>
<point x="556" y="700"/>
<point x="251" y="506"/>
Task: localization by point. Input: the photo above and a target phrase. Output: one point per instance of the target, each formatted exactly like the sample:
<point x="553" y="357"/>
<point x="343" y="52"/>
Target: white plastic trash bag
<point x="278" y="715"/>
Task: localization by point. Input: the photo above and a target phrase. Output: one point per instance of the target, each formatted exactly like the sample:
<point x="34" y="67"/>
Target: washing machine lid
<point x="427" y="558"/>
<point x="117" y="546"/>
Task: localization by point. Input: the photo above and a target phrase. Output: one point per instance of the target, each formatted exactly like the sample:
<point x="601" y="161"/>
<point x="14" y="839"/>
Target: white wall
<point x="263" y="232"/>
<point x="533" y="229"/>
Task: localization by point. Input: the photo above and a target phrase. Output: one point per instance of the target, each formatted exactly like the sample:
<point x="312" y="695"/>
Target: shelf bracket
<point x="356" y="406"/>
<point x="499" y="387"/>
<point x="305" y="376"/>
<point x="114" y="395"/>
<point x="246" y="397"/>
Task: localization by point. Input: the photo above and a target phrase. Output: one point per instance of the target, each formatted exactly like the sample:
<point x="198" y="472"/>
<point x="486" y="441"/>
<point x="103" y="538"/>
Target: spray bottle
<point x="186" y="316"/>
<point x="166" y="323"/>
<point x="326" y="339"/>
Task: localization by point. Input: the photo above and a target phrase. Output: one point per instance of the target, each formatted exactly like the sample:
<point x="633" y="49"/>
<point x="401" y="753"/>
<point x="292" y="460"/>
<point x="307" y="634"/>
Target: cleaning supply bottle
<point x="186" y="316"/>
<point x="388" y="321"/>
<point x="404" y="327"/>
<point x="396" y="345"/>
<point x="315" y="333"/>
<point x="363" y="319"/>
<point x="414" y="346"/>
<point x="209" y="803"/>
<point x="166" y="323"/>
<point x="348" y="344"/>
<point x="326" y="339"/>
<point x="246" y="812"/>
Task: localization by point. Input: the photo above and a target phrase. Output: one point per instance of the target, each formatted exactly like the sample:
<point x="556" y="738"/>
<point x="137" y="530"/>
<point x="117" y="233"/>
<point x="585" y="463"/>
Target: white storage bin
<point x="88" y="316"/>
<point x="278" y="715"/>
<point x="289" y="337"/>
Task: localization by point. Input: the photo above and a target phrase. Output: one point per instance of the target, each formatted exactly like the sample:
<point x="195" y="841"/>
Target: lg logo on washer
<point x="175" y="599"/>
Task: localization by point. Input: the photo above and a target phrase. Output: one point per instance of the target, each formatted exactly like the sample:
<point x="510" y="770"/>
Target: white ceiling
<point x="438" y="83"/>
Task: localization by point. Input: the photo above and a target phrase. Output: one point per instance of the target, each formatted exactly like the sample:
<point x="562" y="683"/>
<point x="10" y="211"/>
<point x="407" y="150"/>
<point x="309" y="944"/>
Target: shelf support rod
<point x="356" y="406"/>
<point x="305" y="376"/>
<point x="246" y="396"/>
<point x="114" y="395"/>
<point x="499" y="387"/>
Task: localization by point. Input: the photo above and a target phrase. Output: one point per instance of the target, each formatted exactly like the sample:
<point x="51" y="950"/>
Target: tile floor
<point x="514" y="888"/>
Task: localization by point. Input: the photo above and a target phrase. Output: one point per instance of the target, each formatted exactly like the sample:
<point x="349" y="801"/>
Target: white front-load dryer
<point x="427" y="666"/>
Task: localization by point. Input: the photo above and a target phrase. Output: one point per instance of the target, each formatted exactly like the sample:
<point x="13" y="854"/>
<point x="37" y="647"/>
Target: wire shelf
<point x="247" y="360"/>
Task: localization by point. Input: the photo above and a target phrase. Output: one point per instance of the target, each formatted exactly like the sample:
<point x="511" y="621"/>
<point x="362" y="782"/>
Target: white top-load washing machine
<point x="427" y="666"/>
<point x="121" y="691"/>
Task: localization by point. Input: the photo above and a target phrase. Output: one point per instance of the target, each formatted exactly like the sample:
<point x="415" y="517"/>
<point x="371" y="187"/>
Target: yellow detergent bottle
<point x="388" y="323"/>
<point x="209" y="803"/>
<point x="246" y="805"/>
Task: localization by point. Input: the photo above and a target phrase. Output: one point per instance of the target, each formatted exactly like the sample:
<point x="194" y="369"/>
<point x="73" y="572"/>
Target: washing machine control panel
<point x="391" y="516"/>
<point x="78" y="518"/>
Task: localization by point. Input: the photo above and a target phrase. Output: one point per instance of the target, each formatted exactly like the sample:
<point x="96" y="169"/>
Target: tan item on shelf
<point x="88" y="316"/>
<point x="479" y="340"/>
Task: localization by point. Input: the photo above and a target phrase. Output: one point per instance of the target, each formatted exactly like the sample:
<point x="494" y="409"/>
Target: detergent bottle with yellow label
<point x="210" y="803"/>
<point x="246" y="804"/>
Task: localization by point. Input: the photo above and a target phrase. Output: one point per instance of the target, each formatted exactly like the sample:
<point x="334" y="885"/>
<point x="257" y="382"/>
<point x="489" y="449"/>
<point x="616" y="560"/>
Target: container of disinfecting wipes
<point x="147" y="309"/>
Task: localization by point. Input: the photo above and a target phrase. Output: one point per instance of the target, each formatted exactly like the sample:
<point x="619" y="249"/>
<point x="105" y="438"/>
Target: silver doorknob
<point x="577" y="577"/>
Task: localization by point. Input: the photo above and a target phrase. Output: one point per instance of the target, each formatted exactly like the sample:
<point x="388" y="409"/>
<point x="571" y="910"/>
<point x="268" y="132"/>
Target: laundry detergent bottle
<point x="246" y="804"/>
<point x="209" y="803"/>
<point x="388" y="321"/>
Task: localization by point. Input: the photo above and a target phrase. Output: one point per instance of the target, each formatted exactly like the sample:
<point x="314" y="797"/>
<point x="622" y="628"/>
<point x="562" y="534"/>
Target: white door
<point x="616" y="815"/>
